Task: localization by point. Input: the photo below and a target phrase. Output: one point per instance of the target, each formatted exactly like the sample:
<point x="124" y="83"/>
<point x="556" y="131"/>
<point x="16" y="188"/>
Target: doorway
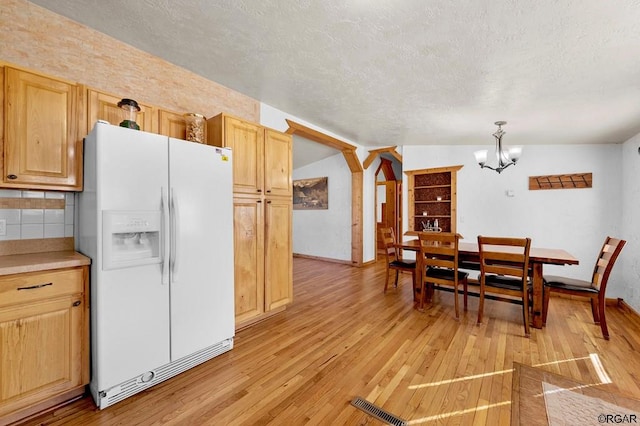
<point x="388" y="195"/>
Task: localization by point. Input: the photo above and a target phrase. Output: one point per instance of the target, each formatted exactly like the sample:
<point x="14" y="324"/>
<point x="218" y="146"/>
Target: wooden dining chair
<point x="394" y="260"/>
<point x="504" y="270"/>
<point x="594" y="289"/>
<point x="438" y="265"/>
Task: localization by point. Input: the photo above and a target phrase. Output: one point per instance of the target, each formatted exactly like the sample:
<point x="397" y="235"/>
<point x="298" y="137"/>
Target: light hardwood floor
<point x="343" y="337"/>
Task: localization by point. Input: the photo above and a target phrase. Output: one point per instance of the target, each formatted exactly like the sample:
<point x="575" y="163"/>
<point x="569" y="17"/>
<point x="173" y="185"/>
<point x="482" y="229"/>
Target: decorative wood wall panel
<point x="570" y="181"/>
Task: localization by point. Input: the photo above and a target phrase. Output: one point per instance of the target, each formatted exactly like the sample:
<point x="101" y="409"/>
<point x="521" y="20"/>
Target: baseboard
<point x="620" y="303"/>
<point x="43" y="408"/>
<point x="324" y="259"/>
<point x="247" y="323"/>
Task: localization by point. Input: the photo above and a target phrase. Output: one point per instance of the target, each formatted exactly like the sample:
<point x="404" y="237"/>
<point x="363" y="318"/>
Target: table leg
<point x="536" y="317"/>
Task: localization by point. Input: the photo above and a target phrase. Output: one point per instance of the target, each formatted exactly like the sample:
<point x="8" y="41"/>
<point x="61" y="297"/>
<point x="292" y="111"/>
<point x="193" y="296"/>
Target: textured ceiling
<point x="403" y="72"/>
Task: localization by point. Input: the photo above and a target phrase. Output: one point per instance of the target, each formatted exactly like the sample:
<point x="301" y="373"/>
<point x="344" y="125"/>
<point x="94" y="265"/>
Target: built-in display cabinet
<point x="432" y="199"/>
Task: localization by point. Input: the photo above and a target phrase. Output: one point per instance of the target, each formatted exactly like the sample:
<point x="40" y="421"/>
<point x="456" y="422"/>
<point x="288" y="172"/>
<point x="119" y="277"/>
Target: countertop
<point x="39" y="255"/>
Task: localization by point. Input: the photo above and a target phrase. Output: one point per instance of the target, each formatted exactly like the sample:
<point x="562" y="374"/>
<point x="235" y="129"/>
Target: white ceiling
<point x="403" y="72"/>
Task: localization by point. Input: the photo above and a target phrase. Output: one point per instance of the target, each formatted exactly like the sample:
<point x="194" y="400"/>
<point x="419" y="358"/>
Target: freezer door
<point x="130" y="310"/>
<point x="201" y="265"/>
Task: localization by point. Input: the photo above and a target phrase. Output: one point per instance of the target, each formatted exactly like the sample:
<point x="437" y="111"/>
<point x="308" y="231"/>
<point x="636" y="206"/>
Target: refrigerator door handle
<point x="164" y="207"/>
<point x="173" y="212"/>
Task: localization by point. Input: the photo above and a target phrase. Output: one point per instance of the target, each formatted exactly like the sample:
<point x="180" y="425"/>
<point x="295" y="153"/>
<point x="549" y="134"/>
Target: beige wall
<point x="40" y="40"/>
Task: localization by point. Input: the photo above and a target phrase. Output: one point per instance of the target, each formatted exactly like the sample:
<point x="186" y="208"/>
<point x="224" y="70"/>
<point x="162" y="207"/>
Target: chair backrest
<point x="606" y="259"/>
<point x="504" y="256"/>
<point x="438" y="249"/>
<point x="388" y="238"/>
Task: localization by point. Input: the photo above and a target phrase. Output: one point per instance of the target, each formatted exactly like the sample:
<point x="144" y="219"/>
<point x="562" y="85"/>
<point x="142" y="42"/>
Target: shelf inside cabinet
<point x="432" y="195"/>
<point x="431" y="186"/>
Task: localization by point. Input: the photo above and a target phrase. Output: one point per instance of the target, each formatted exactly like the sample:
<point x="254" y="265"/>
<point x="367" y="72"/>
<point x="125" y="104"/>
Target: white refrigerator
<point x="156" y="218"/>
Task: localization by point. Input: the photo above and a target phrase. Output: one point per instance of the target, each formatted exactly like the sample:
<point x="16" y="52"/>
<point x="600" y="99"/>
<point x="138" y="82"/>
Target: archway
<point x="349" y="154"/>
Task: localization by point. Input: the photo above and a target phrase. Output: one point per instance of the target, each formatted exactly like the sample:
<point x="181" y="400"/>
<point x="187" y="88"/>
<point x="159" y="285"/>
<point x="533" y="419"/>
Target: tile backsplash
<point x="36" y="214"/>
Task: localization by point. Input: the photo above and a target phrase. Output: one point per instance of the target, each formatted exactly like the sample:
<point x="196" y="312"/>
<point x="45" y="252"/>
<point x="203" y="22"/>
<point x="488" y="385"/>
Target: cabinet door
<point x="247" y="141"/>
<point x="40" y="351"/>
<point x="248" y="230"/>
<point x="278" y="273"/>
<point x="277" y="163"/>
<point x="171" y="124"/>
<point x="103" y="106"/>
<point x="40" y="149"/>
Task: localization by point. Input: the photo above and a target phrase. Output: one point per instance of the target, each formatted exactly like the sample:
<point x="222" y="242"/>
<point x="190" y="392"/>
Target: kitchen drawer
<point x="33" y="286"/>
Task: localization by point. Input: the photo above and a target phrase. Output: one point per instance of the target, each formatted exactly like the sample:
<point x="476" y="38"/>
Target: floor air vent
<point x="376" y="412"/>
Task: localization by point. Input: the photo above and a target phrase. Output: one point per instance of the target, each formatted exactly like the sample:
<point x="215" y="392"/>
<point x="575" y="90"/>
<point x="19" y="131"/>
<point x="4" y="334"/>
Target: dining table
<point x="468" y="252"/>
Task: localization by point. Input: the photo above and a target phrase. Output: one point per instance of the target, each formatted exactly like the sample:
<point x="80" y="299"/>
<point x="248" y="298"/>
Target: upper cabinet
<point x="104" y="106"/>
<point x="278" y="163"/>
<point x="41" y="147"/>
<point x="432" y="197"/>
<point x="172" y="124"/>
<point x="262" y="157"/>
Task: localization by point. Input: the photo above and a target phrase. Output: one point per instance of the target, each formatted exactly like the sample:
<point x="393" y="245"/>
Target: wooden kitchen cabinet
<point x="104" y="106"/>
<point x="248" y="243"/>
<point x="262" y="184"/>
<point x="278" y="258"/>
<point x="263" y="257"/>
<point x="265" y="160"/>
<point x="278" y="163"/>
<point x="44" y="340"/>
<point x="432" y="196"/>
<point x="41" y="148"/>
<point x="172" y="124"/>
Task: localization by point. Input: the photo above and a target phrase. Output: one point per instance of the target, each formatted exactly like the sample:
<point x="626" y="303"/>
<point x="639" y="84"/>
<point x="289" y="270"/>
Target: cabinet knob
<point x="259" y="190"/>
<point x="259" y="201"/>
<point x="268" y="201"/>
<point x="76" y="303"/>
<point x="268" y="191"/>
<point x="12" y="176"/>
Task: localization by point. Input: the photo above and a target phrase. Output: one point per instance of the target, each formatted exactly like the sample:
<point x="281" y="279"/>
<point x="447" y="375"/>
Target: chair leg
<point x="396" y="283"/>
<point x="386" y="281"/>
<point x="525" y="312"/>
<point x="603" y="319"/>
<point x="464" y="289"/>
<point x="456" y="303"/>
<point x="594" y="310"/>
<point x="423" y="291"/>
<point x="546" y="294"/>
<point x="481" y="303"/>
<point x="413" y="282"/>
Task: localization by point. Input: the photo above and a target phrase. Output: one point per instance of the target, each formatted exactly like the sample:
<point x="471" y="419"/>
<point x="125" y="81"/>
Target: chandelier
<point x="505" y="157"/>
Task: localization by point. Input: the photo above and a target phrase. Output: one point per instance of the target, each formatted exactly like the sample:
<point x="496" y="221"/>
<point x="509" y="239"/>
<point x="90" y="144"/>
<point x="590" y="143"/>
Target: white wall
<point x="576" y="220"/>
<point x="631" y="221"/>
<point x="326" y="233"/>
<point x="322" y="233"/>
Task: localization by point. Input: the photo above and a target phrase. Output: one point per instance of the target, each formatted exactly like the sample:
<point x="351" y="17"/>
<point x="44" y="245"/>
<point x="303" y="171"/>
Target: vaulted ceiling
<point x="403" y="72"/>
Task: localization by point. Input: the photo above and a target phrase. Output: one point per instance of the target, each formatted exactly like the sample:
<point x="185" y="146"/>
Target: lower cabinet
<point x="263" y="257"/>
<point x="44" y="340"/>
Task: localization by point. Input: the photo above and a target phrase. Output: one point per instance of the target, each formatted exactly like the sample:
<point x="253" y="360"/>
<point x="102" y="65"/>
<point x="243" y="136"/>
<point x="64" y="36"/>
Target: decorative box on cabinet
<point x="44" y="340"/>
<point x="41" y="148"/>
<point x="104" y="106"/>
<point x="424" y="188"/>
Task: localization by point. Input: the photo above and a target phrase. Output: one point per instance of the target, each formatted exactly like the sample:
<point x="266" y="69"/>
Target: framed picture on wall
<point x="311" y="194"/>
